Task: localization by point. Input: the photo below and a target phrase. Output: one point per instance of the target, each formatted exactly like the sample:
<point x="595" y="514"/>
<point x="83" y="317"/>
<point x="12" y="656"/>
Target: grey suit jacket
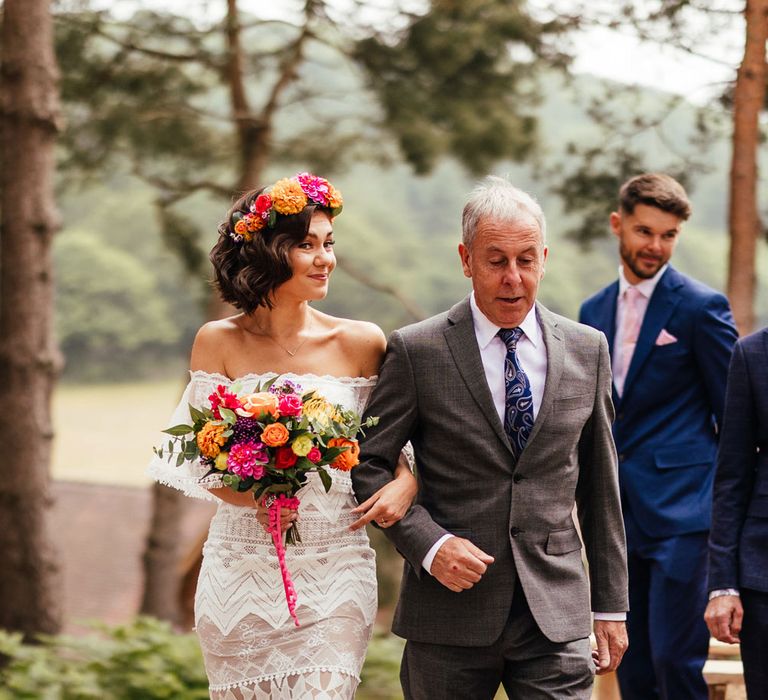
<point x="433" y="391"/>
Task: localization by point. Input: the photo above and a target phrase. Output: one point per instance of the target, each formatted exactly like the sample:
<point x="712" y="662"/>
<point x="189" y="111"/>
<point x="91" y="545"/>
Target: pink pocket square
<point x="665" y="338"/>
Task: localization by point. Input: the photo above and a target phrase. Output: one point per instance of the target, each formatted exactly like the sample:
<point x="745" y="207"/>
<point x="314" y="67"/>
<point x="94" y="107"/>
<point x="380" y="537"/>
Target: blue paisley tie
<point x="518" y="410"/>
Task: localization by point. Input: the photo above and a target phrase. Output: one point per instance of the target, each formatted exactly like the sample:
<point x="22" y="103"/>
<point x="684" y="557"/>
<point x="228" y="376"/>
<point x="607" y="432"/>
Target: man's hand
<point x="459" y="565"/>
<point x="612" y="642"/>
<point x="724" y="615"/>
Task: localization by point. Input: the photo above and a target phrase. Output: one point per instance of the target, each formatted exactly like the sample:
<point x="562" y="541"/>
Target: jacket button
<point x="517" y="478"/>
<point x="515" y="531"/>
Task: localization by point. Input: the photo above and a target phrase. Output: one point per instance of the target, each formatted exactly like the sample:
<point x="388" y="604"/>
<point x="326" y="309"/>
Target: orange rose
<point x="210" y="440"/>
<point x="255" y="405"/>
<point x="347" y="459"/>
<point x="275" y="435"/>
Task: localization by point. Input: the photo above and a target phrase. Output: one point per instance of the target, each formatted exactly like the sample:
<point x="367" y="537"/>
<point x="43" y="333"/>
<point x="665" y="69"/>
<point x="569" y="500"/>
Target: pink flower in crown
<point x="316" y="188"/>
<point x="261" y="206"/>
<point x="290" y="405"/>
<point x="248" y="459"/>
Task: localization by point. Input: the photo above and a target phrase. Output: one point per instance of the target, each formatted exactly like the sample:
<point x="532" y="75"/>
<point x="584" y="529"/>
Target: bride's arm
<point x="391" y="502"/>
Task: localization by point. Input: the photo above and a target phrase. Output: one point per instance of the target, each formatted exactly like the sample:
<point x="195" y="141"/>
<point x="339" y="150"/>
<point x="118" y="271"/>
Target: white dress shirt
<point x="532" y="356"/>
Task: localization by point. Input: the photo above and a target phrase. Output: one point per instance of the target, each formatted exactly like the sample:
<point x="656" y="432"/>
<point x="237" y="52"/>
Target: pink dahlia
<point x="316" y="188"/>
<point x="248" y="459"/>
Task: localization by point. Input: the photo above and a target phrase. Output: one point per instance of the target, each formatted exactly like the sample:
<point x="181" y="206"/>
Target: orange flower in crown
<point x="286" y="197"/>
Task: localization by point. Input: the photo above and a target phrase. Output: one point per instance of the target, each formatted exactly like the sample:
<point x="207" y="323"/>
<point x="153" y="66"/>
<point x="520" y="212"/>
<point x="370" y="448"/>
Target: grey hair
<point x="496" y="198"/>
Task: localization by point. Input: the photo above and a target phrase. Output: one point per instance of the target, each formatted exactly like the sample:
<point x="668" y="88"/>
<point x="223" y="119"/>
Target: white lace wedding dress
<point x="250" y="645"/>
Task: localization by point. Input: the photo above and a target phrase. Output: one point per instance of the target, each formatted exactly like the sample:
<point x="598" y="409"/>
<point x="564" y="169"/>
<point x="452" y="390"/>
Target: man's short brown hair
<point x="655" y="190"/>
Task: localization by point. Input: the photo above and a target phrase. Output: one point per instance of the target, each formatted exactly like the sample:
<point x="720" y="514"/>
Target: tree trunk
<point x="162" y="575"/>
<point x="29" y="360"/>
<point x="743" y="217"/>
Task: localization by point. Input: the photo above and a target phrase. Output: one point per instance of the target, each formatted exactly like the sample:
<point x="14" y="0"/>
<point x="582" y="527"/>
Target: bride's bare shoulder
<point x="211" y="343"/>
<point x="363" y="342"/>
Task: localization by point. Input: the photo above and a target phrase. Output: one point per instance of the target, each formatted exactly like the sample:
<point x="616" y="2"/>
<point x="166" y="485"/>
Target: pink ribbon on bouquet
<point x="280" y="502"/>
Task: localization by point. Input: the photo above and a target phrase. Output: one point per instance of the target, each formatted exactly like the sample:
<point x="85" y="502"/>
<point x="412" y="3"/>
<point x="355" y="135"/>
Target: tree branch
<point x="416" y="312"/>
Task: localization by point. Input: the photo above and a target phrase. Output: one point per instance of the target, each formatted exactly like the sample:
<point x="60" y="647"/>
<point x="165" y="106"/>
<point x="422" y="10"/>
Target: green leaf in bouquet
<point x="190" y="451"/>
<point x="180" y="459"/>
<point x="228" y="433"/>
<point x="332" y="452"/>
<point x="303" y="464"/>
<point x="325" y="477"/>
<point x="170" y="445"/>
<point x="228" y="415"/>
<point x="231" y="480"/>
<point x="158" y="451"/>
<point x="371" y="421"/>
<point x="197" y="415"/>
<point x="279" y="488"/>
<point x="236" y="387"/>
<point x="269" y="383"/>
<point x="178" y="430"/>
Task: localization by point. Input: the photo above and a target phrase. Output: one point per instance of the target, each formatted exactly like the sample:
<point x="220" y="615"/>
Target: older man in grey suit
<point x="508" y="407"/>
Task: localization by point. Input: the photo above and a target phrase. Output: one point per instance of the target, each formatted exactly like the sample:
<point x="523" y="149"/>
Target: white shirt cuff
<point x="614" y="616"/>
<point x="723" y="591"/>
<point x="427" y="563"/>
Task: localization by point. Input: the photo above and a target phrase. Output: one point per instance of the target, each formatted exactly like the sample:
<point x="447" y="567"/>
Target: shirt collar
<point x="486" y="330"/>
<point x="645" y="287"/>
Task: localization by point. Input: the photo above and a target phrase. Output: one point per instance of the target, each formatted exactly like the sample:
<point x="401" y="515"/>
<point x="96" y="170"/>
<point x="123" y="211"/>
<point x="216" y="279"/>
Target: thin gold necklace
<point x="280" y="345"/>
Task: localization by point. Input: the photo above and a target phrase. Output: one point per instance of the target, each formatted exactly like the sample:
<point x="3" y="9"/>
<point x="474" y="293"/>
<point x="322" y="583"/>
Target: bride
<point x="274" y="256"/>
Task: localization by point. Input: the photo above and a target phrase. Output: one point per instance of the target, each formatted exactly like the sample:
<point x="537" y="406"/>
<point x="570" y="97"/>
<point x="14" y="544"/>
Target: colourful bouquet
<point x="268" y="442"/>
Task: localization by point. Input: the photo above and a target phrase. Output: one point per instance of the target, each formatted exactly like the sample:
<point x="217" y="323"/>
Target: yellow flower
<point x="334" y="197"/>
<point x="288" y="197"/>
<point x="319" y="410"/>
<point x="210" y="440"/>
<point x="221" y="461"/>
<point x="302" y="445"/>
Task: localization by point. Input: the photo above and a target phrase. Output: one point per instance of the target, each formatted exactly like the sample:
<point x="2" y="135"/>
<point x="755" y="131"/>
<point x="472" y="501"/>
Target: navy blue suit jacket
<point x="738" y="542"/>
<point x="666" y="418"/>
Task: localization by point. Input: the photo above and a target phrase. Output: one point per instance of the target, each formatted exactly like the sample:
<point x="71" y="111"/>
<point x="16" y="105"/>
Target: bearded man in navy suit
<point x="671" y="339"/>
<point x="738" y="544"/>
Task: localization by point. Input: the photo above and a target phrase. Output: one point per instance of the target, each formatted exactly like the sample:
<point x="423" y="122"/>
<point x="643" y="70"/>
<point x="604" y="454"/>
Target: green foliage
<point x="449" y="83"/>
<point x="109" y="309"/>
<point x="145" y="660"/>
<point x="380" y="675"/>
<point x="139" y="661"/>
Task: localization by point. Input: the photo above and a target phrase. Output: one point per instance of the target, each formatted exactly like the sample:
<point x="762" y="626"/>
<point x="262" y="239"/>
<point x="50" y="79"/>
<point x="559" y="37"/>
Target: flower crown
<point x="287" y="196"/>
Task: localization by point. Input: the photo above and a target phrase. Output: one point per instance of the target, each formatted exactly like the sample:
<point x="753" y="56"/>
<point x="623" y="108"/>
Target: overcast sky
<point x="611" y="54"/>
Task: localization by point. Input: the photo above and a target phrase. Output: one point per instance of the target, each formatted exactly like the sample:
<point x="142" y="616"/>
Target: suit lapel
<point x="462" y="342"/>
<point x="553" y="341"/>
<point x="660" y="307"/>
<point x="606" y="312"/>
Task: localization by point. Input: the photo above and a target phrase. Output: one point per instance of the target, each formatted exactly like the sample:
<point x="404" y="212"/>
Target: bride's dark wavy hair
<point x="247" y="273"/>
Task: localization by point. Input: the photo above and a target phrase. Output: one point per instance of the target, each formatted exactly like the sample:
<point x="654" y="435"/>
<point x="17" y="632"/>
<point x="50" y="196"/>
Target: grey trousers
<point x="523" y="660"/>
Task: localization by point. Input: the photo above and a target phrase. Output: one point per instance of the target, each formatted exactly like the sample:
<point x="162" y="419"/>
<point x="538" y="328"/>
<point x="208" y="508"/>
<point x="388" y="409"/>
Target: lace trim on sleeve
<point x="190" y="476"/>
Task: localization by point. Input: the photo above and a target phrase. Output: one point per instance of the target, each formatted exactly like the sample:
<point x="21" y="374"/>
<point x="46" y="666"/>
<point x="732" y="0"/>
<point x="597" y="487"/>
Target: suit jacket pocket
<point x="684" y="456"/>
<point x="569" y="403"/>
<point x="563" y="541"/>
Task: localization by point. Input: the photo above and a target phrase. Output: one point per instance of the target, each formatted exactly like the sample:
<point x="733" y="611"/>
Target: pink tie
<point x="630" y="330"/>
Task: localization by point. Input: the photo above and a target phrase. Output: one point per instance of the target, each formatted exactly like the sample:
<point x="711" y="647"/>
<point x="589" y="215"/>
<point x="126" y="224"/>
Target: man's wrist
<point x="610" y="616"/>
<point x="430" y="556"/>
<point x="723" y="591"/>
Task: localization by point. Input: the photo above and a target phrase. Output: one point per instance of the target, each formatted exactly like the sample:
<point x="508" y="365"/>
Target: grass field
<point x="104" y="433"/>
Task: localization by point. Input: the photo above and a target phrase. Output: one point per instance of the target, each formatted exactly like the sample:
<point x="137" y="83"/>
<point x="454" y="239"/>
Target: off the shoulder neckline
<point x="349" y="381"/>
